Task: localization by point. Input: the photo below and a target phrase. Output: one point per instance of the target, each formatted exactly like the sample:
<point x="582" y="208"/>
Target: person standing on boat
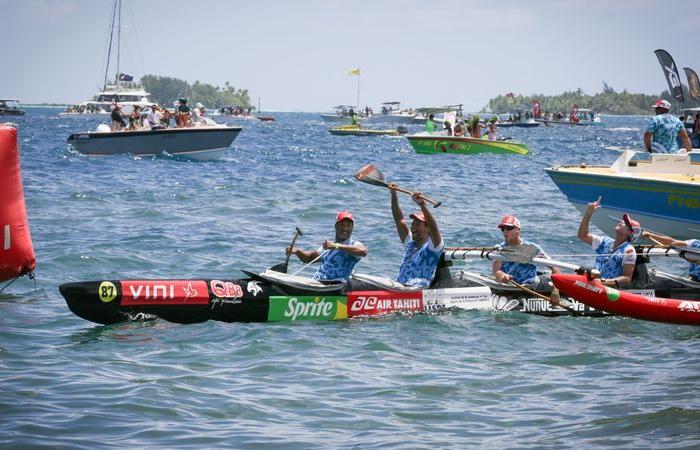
<point x="117" y="117"/>
<point x="493" y="129"/>
<point x="696" y="131"/>
<point x="617" y="257"/>
<point x="430" y="124"/>
<point x="523" y="273"/>
<point x="338" y="258"/>
<point x="423" y="243"/>
<point x="182" y="117"/>
<point x="694" y="269"/>
<point x="154" y="117"/>
<point x="663" y="129"/>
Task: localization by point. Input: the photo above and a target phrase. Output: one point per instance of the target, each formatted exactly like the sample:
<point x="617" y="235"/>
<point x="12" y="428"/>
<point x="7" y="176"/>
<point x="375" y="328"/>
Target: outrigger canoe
<point x="432" y="143"/>
<point x="273" y="296"/>
<point x="614" y="301"/>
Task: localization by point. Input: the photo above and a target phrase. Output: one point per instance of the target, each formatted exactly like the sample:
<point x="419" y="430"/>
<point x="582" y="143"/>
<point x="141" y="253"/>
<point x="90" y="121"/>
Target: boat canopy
<point x="439" y="109"/>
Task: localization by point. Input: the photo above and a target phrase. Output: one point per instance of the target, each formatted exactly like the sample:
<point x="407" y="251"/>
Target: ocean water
<point x="466" y="379"/>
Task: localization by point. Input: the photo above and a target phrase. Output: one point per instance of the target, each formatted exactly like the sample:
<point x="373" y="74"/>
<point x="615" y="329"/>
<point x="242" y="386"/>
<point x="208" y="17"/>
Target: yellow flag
<point x="354" y="72"/>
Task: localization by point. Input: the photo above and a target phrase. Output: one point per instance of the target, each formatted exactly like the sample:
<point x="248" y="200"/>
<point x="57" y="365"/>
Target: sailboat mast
<point x="358" y="93"/>
<point x="119" y="39"/>
<point x="109" y="48"/>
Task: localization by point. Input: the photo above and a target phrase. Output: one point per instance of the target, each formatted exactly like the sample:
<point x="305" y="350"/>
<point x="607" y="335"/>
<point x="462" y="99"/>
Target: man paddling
<point x="522" y="273"/>
<point x="422" y="242"/>
<point x="663" y="129"/>
<point x="694" y="269"/>
<point x="617" y="257"/>
<point x="338" y="258"/>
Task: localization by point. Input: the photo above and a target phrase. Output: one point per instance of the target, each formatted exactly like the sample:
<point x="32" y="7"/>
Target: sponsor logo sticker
<point x="370" y="303"/>
<point x="612" y="294"/>
<point x="254" y="288"/>
<point x="689" y="306"/>
<point x="287" y="309"/>
<point x="164" y="292"/>
<point x="107" y="291"/>
<point x="225" y="289"/>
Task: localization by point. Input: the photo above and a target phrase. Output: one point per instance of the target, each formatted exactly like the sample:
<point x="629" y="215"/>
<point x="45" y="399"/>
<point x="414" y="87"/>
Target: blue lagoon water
<point x="467" y="379"/>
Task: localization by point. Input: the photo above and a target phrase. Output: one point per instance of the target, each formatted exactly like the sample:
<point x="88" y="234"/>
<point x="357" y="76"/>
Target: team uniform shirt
<point x="611" y="260"/>
<point x="521" y="272"/>
<point x="694" y="267"/>
<point x="665" y="128"/>
<point x="336" y="264"/>
<point x="419" y="263"/>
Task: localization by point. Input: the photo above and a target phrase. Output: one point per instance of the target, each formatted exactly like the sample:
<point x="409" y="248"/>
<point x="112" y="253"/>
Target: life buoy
<point x="16" y="249"/>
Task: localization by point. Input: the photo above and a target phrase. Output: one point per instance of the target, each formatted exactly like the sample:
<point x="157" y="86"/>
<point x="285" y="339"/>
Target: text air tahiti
<point x="662" y="190"/>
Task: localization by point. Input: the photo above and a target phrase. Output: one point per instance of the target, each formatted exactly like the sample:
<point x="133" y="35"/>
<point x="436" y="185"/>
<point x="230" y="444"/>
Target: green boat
<point x="432" y="143"/>
<point x="350" y="130"/>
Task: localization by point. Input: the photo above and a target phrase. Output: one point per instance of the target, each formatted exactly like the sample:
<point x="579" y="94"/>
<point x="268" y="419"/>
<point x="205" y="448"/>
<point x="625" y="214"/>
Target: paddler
<point x="522" y="273"/>
<point x="338" y="258"/>
<point x="663" y="129"/>
<point x="422" y="242"/>
<point x="617" y="257"/>
<point x="694" y="269"/>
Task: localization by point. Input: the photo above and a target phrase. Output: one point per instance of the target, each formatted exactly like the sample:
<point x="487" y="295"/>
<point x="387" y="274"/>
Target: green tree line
<point x="608" y="102"/>
<point x="166" y="90"/>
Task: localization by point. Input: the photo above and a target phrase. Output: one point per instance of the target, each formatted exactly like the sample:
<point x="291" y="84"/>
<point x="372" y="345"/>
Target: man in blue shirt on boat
<point x="617" y="257"/>
<point x="339" y="257"/>
<point x="423" y="243"/>
<point x="694" y="269"/>
<point x="664" y="129"/>
<point x="522" y="273"/>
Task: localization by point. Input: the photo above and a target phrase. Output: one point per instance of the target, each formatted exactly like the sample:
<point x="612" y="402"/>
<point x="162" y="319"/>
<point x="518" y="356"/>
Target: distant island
<point x="606" y="102"/>
<point x="167" y="90"/>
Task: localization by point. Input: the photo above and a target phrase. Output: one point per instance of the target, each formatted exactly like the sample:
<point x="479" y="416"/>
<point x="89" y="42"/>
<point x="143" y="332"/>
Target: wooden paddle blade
<point x="370" y="174"/>
<point x="281" y="267"/>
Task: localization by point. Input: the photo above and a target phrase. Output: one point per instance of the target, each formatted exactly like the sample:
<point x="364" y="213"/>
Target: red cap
<point x="418" y="216"/>
<point x="344" y="215"/>
<point x="661" y="103"/>
<point x="509" y="221"/>
<point x="634" y="226"/>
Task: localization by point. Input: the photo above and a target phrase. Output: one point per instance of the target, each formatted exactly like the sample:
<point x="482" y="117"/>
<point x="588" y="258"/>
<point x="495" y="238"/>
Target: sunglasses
<point x="507" y="228"/>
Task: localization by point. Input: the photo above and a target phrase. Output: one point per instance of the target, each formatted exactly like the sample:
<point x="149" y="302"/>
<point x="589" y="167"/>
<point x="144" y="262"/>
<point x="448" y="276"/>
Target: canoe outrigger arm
<point x="521" y="254"/>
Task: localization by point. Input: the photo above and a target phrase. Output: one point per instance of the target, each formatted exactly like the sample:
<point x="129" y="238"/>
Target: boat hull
<point x="667" y="207"/>
<point x="518" y="124"/>
<point x="655" y="309"/>
<point x="427" y="144"/>
<point x="583" y="123"/>
<point x="361" y="132"/>
<point x="201" y="143"/>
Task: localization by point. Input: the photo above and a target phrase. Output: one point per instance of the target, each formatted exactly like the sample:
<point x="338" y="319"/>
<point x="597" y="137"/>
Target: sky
<point x="295" y="55"/>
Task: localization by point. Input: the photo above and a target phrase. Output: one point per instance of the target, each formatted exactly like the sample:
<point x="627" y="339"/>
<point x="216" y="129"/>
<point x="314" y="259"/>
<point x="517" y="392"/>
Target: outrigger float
<point x="430" y="143"/>
<point x="273" y="296"/>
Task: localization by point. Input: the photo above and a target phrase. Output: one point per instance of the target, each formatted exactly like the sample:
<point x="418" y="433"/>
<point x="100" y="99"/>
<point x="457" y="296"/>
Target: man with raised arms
<point x="617" y="257"/>
<point x="339" y="257"/>
<point x="422" y="242"/>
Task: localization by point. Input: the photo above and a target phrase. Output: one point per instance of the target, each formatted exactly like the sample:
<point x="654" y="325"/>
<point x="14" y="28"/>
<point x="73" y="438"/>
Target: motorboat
<point x="439" y="142"/>
<point x="661" y="190"/>
<point x="199" y="143"/>
<point x="342" y="114"/>
<point x="391" y="112"/>
<point x="10" y="107"/>
<point x="578" y="117"/>
<point x="520" y="118"/>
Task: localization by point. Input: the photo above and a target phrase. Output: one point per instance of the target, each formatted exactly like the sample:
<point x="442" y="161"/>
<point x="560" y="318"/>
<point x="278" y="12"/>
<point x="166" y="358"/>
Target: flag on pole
<point x="354" y="72"/>
<point x="125" y="77"/>
<point x="510" y="94"/>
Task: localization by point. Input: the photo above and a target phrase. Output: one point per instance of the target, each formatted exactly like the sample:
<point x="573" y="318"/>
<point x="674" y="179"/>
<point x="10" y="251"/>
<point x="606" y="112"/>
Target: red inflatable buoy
<point x="16" y="249"/>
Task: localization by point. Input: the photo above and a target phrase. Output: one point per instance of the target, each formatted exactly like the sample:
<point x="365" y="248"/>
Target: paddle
<point x="370" y="174"/>
<point x="554" y="297"/>
<point x="282" y="267"/>
<point x="524" y="253"/>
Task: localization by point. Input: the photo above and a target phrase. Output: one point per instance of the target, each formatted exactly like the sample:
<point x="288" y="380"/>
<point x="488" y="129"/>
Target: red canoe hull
<point x="656" y="309"/>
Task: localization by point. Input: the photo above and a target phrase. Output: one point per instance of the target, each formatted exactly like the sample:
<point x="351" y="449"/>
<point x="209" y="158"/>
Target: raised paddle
<point x="282" y="267"/>
<point x="370" y="174"/>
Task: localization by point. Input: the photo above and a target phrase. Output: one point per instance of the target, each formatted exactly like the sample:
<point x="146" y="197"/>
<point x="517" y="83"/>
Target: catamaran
<point x="122" y="90"/>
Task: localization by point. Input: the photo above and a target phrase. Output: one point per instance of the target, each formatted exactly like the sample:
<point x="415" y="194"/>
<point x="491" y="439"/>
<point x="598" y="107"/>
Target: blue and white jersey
<point x="611" y="259"/>
<point x="665" y="128"/>
<point x="419" y="263"/>
<point x="694" y="267"/>
<point x="336" y="264"/>
<point x="522" y="273"/>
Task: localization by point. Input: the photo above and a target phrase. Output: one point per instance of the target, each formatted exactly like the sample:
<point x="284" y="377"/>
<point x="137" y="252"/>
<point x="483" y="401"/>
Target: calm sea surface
<point x="468" y="379"/>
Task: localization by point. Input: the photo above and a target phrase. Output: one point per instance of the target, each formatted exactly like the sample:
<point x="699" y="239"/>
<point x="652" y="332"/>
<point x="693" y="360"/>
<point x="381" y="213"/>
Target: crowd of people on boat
<point x="616" y="258"/>
<point x="469" y="127"/>
<point x="236" y="111"/>
<point x="158" y="117"/>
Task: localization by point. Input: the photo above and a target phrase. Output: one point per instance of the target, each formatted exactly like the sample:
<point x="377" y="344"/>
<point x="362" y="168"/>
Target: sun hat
<point x="661" y="103"/>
